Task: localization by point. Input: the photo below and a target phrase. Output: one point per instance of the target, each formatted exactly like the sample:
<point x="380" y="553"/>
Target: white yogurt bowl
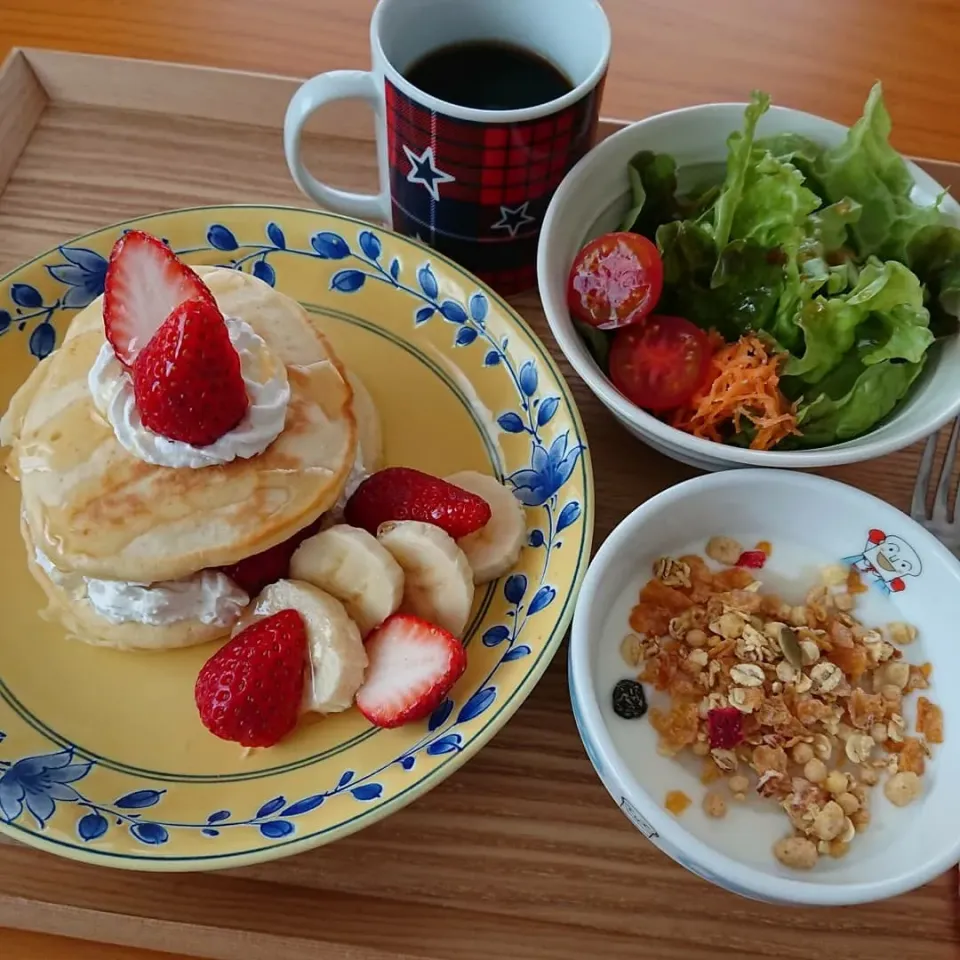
<point x="811" y="522"/>
<point x="592" y="200"/>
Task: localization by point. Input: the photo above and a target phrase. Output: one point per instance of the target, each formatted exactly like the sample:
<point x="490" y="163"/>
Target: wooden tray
<point x="521" y="854"/>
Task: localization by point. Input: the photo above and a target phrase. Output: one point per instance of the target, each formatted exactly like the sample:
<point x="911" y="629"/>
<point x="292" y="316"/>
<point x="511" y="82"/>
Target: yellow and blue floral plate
<point x="102" y="755"/>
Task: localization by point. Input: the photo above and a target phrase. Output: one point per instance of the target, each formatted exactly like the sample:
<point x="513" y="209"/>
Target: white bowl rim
<point x="590" y="723"/>
<point x="575" y="350"/>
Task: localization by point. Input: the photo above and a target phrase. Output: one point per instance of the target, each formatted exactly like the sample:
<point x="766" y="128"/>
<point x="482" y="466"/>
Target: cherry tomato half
<point x="661" y="364"/>
<point x="616" y="280"/>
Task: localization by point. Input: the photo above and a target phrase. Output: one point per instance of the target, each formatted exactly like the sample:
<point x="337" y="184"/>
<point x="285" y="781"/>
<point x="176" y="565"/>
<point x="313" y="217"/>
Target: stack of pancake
<point x="93" y="512"/>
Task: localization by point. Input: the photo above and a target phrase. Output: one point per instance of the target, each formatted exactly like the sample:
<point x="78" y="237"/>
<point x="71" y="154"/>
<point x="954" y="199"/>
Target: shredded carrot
<point x="744" y="385"/>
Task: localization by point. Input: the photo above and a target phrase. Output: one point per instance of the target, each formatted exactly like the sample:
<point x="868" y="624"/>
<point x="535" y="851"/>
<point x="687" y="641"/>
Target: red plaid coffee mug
<point x="472" y="183"/>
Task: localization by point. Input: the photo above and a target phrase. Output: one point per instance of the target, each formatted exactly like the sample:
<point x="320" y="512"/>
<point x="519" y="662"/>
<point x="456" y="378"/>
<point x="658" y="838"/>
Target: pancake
<point x="95" y="509"/>
<point x="81" y="620"/>
<point x="369" y="429"/>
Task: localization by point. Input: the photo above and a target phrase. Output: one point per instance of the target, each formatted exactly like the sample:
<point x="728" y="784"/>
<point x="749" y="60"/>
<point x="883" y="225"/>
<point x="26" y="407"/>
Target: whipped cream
<point x="268" y="393"/>
<point x="208" y="596"/>
<point x="358" y="473"/>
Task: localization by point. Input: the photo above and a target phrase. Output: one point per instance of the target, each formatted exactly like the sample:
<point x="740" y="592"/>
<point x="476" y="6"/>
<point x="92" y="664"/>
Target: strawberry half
<point x="254" y="573"/>
<point x="413" y="665"/>
<point x="187" y="380"/>
<point x="401" y="493"/>
<point x="250" y="690"/>
<point x="145" y="282"/>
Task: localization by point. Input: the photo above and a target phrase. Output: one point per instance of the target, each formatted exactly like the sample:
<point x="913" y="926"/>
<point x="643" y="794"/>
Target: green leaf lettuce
<point x="852" y="405"/>
<point x="867" y="169"/>
<point x="888" y="292"/>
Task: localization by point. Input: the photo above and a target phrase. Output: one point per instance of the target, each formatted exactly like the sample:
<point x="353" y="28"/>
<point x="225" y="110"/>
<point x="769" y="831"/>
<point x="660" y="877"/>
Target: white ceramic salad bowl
<point x="593" y="199"/>
<point x="811" y="522"/>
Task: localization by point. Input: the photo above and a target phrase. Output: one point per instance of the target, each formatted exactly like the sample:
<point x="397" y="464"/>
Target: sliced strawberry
<point x="145" y="283"/>
<point x="254" y="573"/>
<point x="187" y="380"/>
<point x="413" y="665"/>
<point x="250" y="690"/>
<point x="401" y="493"/>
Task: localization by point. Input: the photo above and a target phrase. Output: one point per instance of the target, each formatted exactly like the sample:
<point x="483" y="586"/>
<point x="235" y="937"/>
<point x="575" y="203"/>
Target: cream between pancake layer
<point x="96" y="510"/>
<point x="82" y="622"/>
<point x="208" y="596"/>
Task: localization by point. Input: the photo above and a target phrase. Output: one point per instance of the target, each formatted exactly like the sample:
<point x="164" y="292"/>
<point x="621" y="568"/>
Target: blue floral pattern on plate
<point x="32" y="787"/>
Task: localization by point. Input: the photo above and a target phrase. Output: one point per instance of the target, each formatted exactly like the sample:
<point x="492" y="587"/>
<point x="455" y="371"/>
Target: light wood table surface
<point x="820" y="55"/>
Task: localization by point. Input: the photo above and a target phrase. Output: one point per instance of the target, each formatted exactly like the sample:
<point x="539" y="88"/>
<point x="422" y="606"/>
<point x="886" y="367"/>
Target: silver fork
<point x="944" y="527"/>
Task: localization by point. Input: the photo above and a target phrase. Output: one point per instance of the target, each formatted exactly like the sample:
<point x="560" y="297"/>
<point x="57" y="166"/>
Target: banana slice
<point x="437" y="579"/>
<point x="369" y="431"/>
<point x="337" y="657"/>
<point x="354" y="567"/>
<point x="495" y="548"/>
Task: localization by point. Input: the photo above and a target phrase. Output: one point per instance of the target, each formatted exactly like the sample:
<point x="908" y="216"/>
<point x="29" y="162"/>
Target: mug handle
<point x="320" y="90"/>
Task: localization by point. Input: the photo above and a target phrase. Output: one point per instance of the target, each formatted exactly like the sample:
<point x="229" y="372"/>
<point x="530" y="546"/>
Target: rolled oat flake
<point x="629" y="700"/>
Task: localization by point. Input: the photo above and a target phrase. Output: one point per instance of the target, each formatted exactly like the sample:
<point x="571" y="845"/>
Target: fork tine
<point x="946" y="474"/>
<point x="918" y="505"/>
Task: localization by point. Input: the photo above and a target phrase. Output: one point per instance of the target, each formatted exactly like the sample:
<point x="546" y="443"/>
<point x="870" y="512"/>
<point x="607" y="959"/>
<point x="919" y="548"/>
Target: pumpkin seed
<point x="790" y="646"/>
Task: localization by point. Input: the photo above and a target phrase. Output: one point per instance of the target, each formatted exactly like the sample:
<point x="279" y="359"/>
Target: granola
<point x="800" y="704"/>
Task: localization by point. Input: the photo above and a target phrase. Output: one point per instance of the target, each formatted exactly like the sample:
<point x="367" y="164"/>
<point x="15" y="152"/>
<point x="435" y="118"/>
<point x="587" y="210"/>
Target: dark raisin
<point x="629" y="700"/>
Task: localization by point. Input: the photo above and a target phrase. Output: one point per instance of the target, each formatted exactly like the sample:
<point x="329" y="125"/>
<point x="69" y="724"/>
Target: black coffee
<point x="487" y="75"/>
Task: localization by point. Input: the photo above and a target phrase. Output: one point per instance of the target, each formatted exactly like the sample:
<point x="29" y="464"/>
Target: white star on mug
<point x="424" y="170"/>
<point x="513" y="219"/>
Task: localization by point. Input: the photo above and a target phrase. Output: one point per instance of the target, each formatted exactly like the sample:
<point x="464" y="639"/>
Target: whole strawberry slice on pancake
<point x="165" y="327"/>
<point x="145" y="283"/>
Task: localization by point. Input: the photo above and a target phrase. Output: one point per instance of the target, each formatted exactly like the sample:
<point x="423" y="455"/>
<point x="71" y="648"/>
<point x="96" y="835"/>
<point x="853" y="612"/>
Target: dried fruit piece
<point x="855" y="582"/>
<point x="658" y="594"/>
<point x="676" y="801"/>
<point x="853" y="661"/>
<point x="752" y="559"/>
<point x="649" y="621"/>
<point x="929" y="720"/>
<point x="629" y="700"/>
<point x="724" y="727"/>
